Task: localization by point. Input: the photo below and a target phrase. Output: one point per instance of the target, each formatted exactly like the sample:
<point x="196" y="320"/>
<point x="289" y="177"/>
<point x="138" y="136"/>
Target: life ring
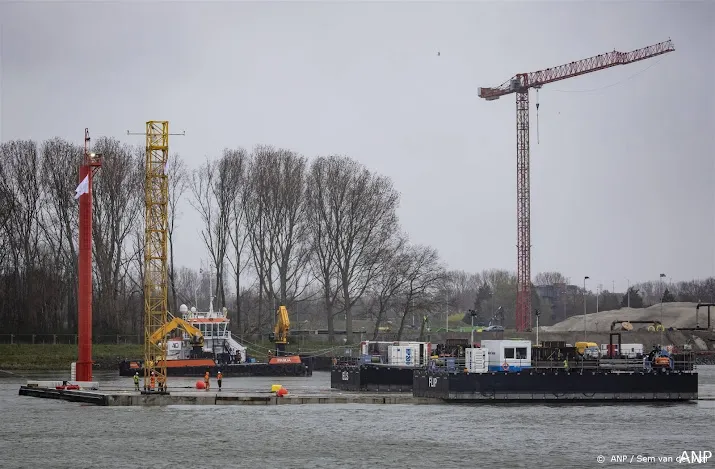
<point x="505" y="366"/>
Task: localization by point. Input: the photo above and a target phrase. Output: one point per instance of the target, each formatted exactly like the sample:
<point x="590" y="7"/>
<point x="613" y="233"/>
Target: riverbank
<point x="60" y="356"/>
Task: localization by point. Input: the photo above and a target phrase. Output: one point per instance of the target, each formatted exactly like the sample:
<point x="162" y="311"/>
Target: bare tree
<point x="324" y="232"/>
<point x="237" y="234"/>
<point x="277" y="223"/>
<point x="117" y="199"/>
<point x="7" y="206"/>
<point x="390" y="280"/>
<point x="21" y="168"/>
<point x="60" y="161"/>
<point x="215" y="188"/>
<point x="549" y="278"/>
<point x="187" y="285"/>
<point x="178" y="183"/>
<point x="362" y="209"/>
<point x="422" y="274"/>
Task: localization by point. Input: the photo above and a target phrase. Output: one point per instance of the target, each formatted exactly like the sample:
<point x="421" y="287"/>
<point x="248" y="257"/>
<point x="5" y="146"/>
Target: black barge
<point x="504" y="370"/>
<point x="556" y="385"/>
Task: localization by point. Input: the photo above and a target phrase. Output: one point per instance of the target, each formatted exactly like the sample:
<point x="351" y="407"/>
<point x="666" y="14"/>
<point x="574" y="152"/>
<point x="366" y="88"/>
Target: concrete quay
<point x="134" y="398"/>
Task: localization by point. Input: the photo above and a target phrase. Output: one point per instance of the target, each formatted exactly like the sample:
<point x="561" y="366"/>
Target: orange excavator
<point x="279" y="336"/>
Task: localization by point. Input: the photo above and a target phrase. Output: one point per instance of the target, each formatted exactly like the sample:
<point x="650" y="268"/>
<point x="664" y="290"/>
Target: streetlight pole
<point x="446" y="313"/>
<point x="536" y="313"/>
<point x="628" y="293"/>
<point x="584" y="307"/>
<point x="662" y="327"/>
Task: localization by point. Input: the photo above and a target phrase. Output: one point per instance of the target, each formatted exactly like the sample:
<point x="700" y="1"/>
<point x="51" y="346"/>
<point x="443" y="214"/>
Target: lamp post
<point x="446" y="313"/>
<point x="537" y="313"/>
<point x="584" y="307"/>
<point x="662" y="327"/>
<point x="628" y="293"/>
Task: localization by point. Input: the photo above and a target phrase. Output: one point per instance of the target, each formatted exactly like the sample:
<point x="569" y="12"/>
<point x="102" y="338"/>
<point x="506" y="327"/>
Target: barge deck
<point x="224" y="397"/>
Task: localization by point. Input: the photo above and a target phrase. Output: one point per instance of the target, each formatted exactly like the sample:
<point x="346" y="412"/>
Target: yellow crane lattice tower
<point x="155" y="248"/>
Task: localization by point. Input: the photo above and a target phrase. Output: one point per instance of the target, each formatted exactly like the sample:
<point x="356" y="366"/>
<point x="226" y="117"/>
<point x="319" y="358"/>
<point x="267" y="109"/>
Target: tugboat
<point x="206" y="343"/>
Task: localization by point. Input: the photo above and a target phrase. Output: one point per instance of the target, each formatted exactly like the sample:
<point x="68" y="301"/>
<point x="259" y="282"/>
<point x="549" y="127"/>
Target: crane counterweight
<point x="520" y="85"/>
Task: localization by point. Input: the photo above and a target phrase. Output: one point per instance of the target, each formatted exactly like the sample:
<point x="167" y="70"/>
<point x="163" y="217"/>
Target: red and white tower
<point x="91" y="164"/>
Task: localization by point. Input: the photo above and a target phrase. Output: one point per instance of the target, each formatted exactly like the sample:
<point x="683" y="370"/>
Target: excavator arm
<point x="177" y="323"/>
<point x="280" y="331"/>
<point x="279" y="336"/>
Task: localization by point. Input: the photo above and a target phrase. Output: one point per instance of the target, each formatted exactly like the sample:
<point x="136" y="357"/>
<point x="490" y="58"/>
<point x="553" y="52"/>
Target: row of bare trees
<point x="324" y="232"/>
<point x="278" y="229"/>
<point x="321" y="236"/>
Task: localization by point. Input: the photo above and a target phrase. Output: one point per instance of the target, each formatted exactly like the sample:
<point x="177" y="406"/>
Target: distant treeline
<point x="320" y="236"/>
<point x="557" y="299"/>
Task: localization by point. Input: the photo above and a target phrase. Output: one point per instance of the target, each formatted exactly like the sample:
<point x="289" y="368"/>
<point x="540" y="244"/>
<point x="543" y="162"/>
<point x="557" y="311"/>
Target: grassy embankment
<point x="106" y="357"/>
<point x="58" y="357"/>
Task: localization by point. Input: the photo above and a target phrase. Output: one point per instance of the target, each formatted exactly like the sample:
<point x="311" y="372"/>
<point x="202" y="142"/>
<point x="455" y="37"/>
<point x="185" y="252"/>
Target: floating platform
<point x="224" y="397"/>
<point x="561" y="385"/>
<point x="372" y="378"/>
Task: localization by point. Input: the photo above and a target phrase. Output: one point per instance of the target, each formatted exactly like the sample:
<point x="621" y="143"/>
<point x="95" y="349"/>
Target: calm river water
<point x="39" y="433"/>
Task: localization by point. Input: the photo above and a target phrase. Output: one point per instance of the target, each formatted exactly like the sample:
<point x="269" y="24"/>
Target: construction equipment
<point x="279" y="336"/>
<point x="156" y="200"/>
<point x="197" y="338"/>
<point x="628" y="325"/>
<point x="520" y="85"/>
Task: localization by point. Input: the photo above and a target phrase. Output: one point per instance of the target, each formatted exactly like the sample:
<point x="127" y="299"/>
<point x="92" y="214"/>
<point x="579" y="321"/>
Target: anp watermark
<point x="685" y="457"/>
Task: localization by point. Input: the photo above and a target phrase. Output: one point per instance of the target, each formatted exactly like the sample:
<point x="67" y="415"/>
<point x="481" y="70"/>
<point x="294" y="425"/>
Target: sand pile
<point x="675" y="315"/>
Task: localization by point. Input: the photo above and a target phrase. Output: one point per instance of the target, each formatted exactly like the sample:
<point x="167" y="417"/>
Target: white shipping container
<point x="403" y="355"/>
<point x="419" y="351"/>
<point x="477" y="360"/>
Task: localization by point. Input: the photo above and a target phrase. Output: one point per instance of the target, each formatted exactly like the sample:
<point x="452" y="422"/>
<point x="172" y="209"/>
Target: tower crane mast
<point x="156" y="198"/>
<point x="520" y="85"/>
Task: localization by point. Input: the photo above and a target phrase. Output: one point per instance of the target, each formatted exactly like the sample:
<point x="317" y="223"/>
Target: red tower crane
<point x="520" y="85"/>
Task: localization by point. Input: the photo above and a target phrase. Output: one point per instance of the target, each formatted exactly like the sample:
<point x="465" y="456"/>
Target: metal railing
<point x="680" y="362"/>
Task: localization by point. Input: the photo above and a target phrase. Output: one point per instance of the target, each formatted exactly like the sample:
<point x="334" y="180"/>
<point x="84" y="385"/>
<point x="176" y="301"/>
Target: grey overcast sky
<point x="621" y="181"/>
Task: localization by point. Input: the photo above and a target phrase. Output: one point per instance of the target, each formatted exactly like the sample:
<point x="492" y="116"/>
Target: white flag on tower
<point x="83" y="187"/>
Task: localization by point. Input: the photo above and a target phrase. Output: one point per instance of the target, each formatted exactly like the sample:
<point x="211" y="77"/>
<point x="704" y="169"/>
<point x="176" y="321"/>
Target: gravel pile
<point x="674" y="315"/>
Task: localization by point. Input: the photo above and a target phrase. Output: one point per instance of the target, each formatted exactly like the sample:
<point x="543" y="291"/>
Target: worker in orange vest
<point x="152" y="381"/>
<point x="206" y="380"/>
<point x="219" y="377"/>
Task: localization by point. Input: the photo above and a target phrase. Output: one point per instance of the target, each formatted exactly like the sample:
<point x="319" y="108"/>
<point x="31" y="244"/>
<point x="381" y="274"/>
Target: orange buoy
<point x="281" y="392"/>
<point x="200" y="385"/>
